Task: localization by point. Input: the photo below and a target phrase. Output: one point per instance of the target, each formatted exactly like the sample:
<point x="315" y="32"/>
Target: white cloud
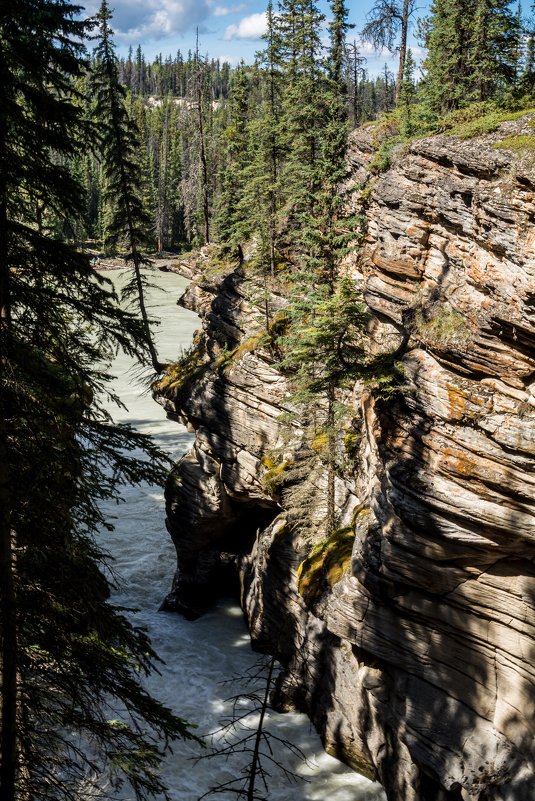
<point x="138" y="20"/>
<point x="251" y="27"/>
<point x="232" y="60"/>
<point x="224" y="11"/>
<point x="367" y="49"/>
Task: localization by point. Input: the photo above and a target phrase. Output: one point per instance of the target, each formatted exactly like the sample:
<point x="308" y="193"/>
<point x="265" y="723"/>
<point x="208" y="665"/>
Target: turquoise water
<point x="198" y="655"/>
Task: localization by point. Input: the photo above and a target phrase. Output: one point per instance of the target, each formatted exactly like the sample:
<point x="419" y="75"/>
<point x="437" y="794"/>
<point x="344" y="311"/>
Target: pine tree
<point x="356" y="74"/>
<point x="119" y="147"/>
<point x="407" y="97"/>
<point x="163" y="203"/>
<point x="199" y="96"/>
<point x="322" y="346"/>
<point x="472" y="53"/>
<point x="67" y="657"/>
<point x="299" y="23"/>
<point x="233" y="220"/>
<point x="528" y="74"/>
<point x="267" y="141"/>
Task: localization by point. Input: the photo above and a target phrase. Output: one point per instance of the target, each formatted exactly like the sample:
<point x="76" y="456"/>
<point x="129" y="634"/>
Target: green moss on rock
<point x="326" y="564"/>
<point x="273" y="478"/>
<point x="523" y="143"/>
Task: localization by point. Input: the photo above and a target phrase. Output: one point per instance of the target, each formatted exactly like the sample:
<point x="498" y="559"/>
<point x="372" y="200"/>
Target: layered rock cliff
<point x="410" y="641"/>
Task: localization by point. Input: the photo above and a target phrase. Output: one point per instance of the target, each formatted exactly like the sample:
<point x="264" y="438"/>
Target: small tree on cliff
<point x="323" y="346"/>
<point x="68" y="659"/>
<point x="119" y="145"/>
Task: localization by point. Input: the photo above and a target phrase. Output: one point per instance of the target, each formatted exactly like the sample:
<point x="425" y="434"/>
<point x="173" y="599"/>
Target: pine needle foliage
<point x="129" y="225"/>
<point x="473" y="51"/>
<point x="70" y="663"/>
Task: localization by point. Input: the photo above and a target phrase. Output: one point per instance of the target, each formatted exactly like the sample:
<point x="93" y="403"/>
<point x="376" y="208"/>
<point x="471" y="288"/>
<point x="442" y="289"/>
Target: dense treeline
<point x="184" y="107"/>
<point x="181" y="108"/>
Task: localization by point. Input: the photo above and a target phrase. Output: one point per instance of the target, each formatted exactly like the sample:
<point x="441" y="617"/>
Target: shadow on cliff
<point x="210" y="516"/>
<point x="444" y="610"/>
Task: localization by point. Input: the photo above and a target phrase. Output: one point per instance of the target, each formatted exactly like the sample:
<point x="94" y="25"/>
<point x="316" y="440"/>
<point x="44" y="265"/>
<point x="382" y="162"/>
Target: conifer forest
<point x="126" y="159"/>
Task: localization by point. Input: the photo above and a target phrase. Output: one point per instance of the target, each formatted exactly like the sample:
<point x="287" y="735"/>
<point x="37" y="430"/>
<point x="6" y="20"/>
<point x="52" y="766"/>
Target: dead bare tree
<point x="244" y="733"/>
<point x="388" y="26"/>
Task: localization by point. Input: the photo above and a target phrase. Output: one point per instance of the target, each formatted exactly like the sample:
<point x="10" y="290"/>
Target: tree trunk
<point x="402" y="47"/>
<point x="253" y="770"/>
<point x="8" y="618"/>
<point x="204" y="166"/>
<point x="9" y="644"/>
<point x="331" y="461"/>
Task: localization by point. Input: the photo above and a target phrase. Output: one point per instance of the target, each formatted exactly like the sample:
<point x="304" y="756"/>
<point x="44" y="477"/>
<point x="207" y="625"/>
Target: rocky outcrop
<point x="413" y="649"/>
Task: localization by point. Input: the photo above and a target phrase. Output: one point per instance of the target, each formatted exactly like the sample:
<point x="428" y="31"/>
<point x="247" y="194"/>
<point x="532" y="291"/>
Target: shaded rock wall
<point x="418" y="664"/>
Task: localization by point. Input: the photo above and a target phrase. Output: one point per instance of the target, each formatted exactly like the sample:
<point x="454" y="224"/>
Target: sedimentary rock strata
<point x="416" y="659"/>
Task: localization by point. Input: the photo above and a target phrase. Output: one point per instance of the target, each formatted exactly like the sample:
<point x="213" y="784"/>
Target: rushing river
<point x="198" y="655"/>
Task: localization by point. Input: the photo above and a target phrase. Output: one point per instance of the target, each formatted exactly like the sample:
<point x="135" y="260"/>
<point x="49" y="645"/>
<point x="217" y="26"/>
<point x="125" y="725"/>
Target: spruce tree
<point x="67" y="656"/>
<point x="407" y="97"/>
<point x="199" y="91"/>
<point x="266" y="140"/>
<point x="119" y="146"/>
<point x="299" y="23"/>
<point x="528" y="72"/>
<point x="323" y="345"/>
<point x="233" y="219"/>
<point x="494" y="51"/>
<point x="356" y="74"/>
<point x="472" y="53"/>
<point x="163" y="203"/>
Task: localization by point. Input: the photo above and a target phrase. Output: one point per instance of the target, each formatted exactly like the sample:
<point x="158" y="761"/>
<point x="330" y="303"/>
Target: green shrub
<point x="518" y="144"/>
<point x="479" y="119"/>
<point x="179" y="374"/>
<point x="273" y="478"/>
<point x="383" y="156"/>
<point x="441" y="327"/>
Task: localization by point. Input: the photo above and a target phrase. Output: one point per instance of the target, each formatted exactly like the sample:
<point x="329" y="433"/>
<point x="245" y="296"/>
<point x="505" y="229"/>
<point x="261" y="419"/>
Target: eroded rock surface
<point x="417" y="664"/>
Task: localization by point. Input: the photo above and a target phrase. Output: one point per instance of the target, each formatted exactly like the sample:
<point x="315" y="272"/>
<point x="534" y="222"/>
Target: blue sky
<point x="228" y="29"/>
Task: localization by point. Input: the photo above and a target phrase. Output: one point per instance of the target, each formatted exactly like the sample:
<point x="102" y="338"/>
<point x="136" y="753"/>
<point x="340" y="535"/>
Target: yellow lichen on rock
<point x="326" y="564"/>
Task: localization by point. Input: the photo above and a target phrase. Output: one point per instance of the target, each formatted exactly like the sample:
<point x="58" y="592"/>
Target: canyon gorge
<point x="408" y="636"/>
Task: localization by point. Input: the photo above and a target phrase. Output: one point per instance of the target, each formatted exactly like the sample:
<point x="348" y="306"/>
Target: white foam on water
<point x="198" y="655"/>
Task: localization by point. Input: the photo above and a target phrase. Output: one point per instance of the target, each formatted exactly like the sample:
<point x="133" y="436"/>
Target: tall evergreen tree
<point x="323" y="344"/>
<point x="67" y="657"/>
<point x="356" y="73"/>
<point x="266" y="138"/>
<point x="472" y="52"/>
<point x="528" y="73"/>
<point x="233" y="216"/>
<point x="199" y="99"/>
<point x="119" y="147"/>
<point x="299" y="23"/>
<point x="494" y="55"/>
<point x="407" y="96"/>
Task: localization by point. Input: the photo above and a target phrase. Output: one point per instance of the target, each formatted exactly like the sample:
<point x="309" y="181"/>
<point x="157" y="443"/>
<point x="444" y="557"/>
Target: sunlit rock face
<point x="417" y="663"/>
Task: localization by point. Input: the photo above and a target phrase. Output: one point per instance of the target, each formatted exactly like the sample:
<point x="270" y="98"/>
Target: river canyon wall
<point x="409" y="638"/>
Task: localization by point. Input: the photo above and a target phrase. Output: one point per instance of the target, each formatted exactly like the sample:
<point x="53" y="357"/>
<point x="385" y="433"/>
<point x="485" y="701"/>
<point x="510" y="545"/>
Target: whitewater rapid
<point x="198" y="655"/>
